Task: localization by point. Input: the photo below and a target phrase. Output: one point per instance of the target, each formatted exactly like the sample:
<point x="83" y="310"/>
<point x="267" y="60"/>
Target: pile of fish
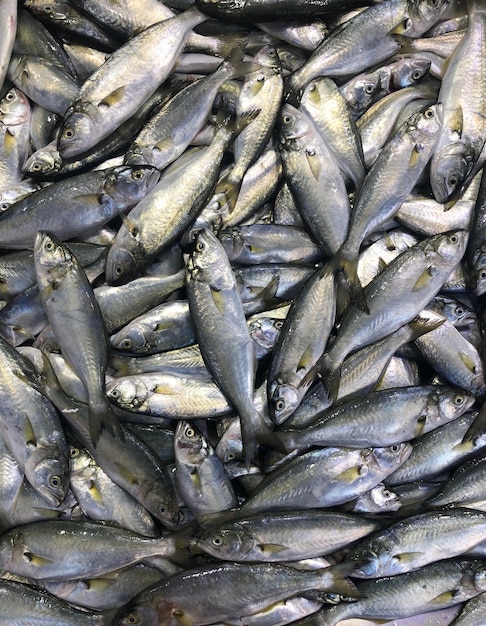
<point x="242" y="278"/>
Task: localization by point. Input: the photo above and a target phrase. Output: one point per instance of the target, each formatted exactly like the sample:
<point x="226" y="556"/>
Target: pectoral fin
<point x="219" y="300"/>
<point x="126" y="474"/>
<point x="456" y="121"/>
<point x="182" y="618"/>
<point x="165" y="390"/>
<point x="94" y="491"/>
<point x="271" y="548"/>
<point x="29" y="435"/>
<point x="424" y="279"/>
<point x="307" y="359"/>
<point x="314" y="164"/>
<point x="114" y="97"/>
<point x="468" y="362"/>
<point x="407" y="557"/>
<point x="36" y="560"/>
<point x="419" y="426"/>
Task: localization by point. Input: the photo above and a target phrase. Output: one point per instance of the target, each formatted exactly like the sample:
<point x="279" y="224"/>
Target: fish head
<point x="426" y="124"/>
<point x="231" y="544"/>
<point x="479" y="577"/>
<point x="139" y="155"/>
<point x="189" y="443"/>
<point x="128" y="393"/>
<point x="366" y="561"/>
<point x="293" y="124"/>
<point x="451" y="404"/>
<point x="449" y="169"/>
<point x="76" y="134"/>
<point x="230" y="446"/>
<point x="283" y="400"/>
<point x="123" y="260"/>
<point x="14" y="108"/>
<point x="207" y="262"/>
<point x="43" y="162"/>
<point x="479" y="271"/>
<point x="79" y="460"/>
<point x="391" y="457"/>
<point x="422" y="15"/>
<point x="268" y="57"/>
<point x="129" y="340"/>
<point x="50" y="475"/>
<point x="233" y="241"/>
<point x="450" y="246"/>
<point x="145" y="611"/>
<point x="410" y="70"/>
<point x="161" y="501"/>
<point x="456" y="312"/>
<point x="264" y="331"/>
<point x="360" y="92"/>
<point x="52" y="259"/>
<point x="128" y="184"/>
<point x="377" y="500"/>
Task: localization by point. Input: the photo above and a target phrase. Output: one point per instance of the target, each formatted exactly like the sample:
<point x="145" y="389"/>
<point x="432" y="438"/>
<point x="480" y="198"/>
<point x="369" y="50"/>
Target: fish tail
<point x="229" y="43"/>
<point x="234" y="64"/>
<point x="477" y="428"/>
<point x="230" y="189"/>
<point x="102" y="417"/>
<point x="255" y="432"/>
<point x="342" y="262"/>
<point x="331" y="376"/>
<point x="340" y="582"/>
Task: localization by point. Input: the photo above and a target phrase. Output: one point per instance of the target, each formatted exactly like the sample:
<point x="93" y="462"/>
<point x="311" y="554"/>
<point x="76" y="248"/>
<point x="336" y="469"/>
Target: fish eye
<point x="73" y="452"/>
<point x="131" y="619"/>
<point x="278" y="324"/>
<point x="429" y="114"/>
<point x="55" y="481"/>
<point x="482" y="274"/>
<point x="36" y="166"/>
<point x="272" y="52"/>
<point x="217" y="541"/>
<point x="459" y="311"/>
<point x="230" y="456"/>
<point x="453" y="239"/>
<point x="416" y="75"/>
<point x="453" y="180"/>
<point x="10" y="96"/>
<point x="48" y="9"/>
<point x="369" y="89"/>
<point x="200" y="246"/>
<point x="50" y="246"/>
<point x="118" y="270"/>
<point x="395" y="448"/>
<point x="366" y="452"/>
<point x="162" y="509"/>
<point x="189" y="432"/>
<point x="126" y="344"/>
<point x="280" y="404"/>
<point x="68" y="132"/>
<point x="387" y="493"/>
<point x="287" y="119"/>
<point x="4" y="206"/>
<point x="137" y="174"/>
<point x="458" y="399"/>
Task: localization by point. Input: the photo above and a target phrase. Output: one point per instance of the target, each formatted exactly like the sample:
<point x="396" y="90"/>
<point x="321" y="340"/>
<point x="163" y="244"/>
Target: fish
<point x="71" y="306"/>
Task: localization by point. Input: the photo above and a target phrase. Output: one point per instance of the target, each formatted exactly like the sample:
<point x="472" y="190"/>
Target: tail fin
<point x="102" y="417"/>
<point x="255" y="432"/>
<point x="477" y="428"/>
<point x="343" y="262"/>
<point x="339" y="582"/>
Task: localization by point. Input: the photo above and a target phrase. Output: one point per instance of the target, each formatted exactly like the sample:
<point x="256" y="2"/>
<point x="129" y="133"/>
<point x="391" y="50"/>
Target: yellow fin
<point x="164" y="326"/>
<point x="196" y="478"/>
<point x="419" y="426"/>
<point x="414" y="156"/>
<point x="255" y="249"/>
<point x="182" y="618"/>
<point x="257" y="86"/>
<point x="457" y="121"/>
<point x="126" y="474"/>
<point x="314" y="164"/>
<point x="164" y="144"/>
<point x="36" y="560"/>
<point x="9" y="142"/>
<point x="114" y="97"/>
<point x="424" y="279"/>
<point x="399" y="29"/>
<point x="94" y="491"/>
<point x="443" y="598"/>
<point x="307" y="359"/>
<point x="407" y="557"/>
<point x="219" y="300"/>
<point x="166" y="390"/>
<point x="271" y="548"/>
<point x="29" y="435"/>
<point x="99" y="584"/>
<point x="349" y="475"/>
<point x="468" y="362"/>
